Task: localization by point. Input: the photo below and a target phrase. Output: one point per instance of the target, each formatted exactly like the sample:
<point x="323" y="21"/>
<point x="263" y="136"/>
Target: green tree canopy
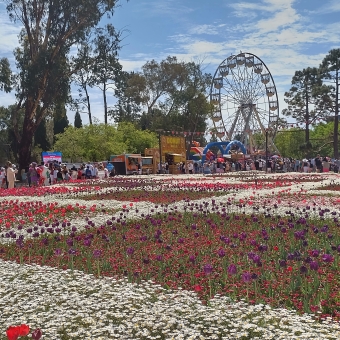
<point x="289" y="143"/>
<point x="330" y="70"/>
<point x="304" y="98"/>
<point x="166" y="93"/>
<point x="78" y="123"/>
<point x="96" y="142"/>
<point x="5" y="75"/>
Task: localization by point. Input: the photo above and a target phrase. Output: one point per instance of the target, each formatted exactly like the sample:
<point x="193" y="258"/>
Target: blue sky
<point x="288" y="35"/>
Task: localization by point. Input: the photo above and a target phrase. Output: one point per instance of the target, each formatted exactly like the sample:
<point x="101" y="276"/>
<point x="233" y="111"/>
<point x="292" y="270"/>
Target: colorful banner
<point x="51" y="156"/>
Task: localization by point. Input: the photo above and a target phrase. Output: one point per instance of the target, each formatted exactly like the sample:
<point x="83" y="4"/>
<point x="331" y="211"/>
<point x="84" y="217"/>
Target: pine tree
<point x="60" y="119"/>
<point x="78" y="123"/>
<point x="330" y="68"/>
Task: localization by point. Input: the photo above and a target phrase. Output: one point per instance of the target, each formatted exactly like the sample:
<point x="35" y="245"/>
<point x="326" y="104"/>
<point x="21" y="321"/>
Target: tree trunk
<point x="25" y="147"/>
<point x="336" y="118"/>
<point x="88" y="106"/>
<point x="105" y="103"/>
<point x="307" y="114"/>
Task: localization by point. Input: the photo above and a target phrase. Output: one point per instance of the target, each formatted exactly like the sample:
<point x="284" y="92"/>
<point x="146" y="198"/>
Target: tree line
<point x="313" y="101"/>
<point x="62" y="45"/>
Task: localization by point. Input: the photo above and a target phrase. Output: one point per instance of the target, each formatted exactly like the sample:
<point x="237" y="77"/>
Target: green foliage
<point x="106" y="67"/>
<point x="40" y="137"/>
<point x="171" y="95"/>
<point x="96" y="142"/>
<point x="330" y="70"/>
<point x="289" y="142"/>
<point x="304" y="98"/>
<point x="60" y="121"/>
<point x="322" y="138"/>
<point x="5" y="75"/>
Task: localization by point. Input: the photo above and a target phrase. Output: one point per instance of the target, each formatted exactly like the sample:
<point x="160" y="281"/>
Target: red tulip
<point x="37" y="334"/>
<point x="12" y="332"/>
<point x="23" y="330"/>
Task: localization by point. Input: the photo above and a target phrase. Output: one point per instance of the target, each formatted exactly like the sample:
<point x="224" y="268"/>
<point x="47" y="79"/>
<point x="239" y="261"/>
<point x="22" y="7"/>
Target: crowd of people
<point x="51" y="173"/>
<point x="272" y="164"/>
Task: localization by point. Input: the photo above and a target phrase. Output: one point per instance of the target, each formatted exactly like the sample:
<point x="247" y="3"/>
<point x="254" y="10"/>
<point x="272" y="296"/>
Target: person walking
<point x="34" y="174"/>
<point x="11" y="171"/>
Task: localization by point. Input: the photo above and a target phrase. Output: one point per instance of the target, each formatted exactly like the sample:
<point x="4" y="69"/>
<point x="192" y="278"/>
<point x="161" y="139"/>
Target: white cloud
<point x="205" y="29"/>
<point x="243" y="8"/>
<point x="165" y="7"/>
<point x="283" y="18"/>
<point x="331" y="7"/>
<point x="133" y="65"/>
<point x="9" y="33"/>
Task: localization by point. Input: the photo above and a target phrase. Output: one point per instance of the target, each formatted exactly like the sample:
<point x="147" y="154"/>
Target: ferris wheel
<point x="245" y="102"/>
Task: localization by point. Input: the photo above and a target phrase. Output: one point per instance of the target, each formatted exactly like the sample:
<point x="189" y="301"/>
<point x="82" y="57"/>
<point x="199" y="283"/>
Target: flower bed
<point x="255" y="250"/>
<point x="284" y="262"/>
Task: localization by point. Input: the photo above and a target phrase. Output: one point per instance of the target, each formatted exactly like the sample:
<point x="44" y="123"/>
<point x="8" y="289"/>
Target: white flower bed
<point x="68" y="305"/>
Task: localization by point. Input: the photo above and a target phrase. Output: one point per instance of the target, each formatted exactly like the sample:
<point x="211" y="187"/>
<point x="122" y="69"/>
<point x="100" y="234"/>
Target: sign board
<point x="109" y="166"/>
<point x="48" y="156"/>
<point x="173" y="145"/>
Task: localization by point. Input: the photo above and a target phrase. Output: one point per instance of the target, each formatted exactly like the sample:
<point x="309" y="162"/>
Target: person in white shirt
<point x="94" y="172"/>
<point x="190" y="167"/>
<point x="11" y="171"/>
<point x="45" y="174"/>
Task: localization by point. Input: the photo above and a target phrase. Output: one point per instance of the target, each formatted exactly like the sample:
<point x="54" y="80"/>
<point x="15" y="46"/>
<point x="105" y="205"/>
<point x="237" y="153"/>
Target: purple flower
<point x="303" y="270"/>
<point x="69" y="242"/>
<point x="87" y="242"/>
<point x="283" y="263"/>
<point x="327" y="258"/>
<point x="130" y="250"/>
<point x="246" y="277"/>
<point x="324" y="229"/>
<point x="232" y="270"/>
<point x="262" y="247"/>
<point x="159" y="258"/>
<point x="192" y="258"/>
<point x="208" y="268"/>
<point x="315" y="253"/>
<point x="221" y="252"/>
<point x="314" y="265"/>
<point x="97" y="253"/>
<point x="290" y="256"/>
<point x="19" y="243"/>
<point x="72" y="251"/>
<point x="146" y="260"/>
